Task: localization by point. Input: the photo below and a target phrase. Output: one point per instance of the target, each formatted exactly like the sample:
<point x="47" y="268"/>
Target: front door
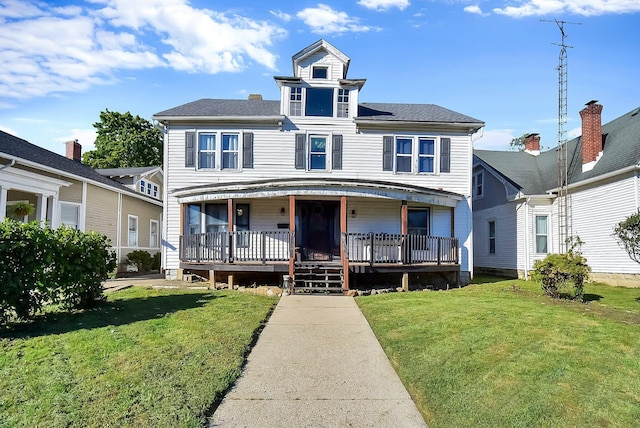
<point x="318" y="229"/>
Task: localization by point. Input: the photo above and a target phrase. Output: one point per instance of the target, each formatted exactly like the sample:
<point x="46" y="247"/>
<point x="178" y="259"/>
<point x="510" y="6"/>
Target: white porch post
<point x="41" y="215"/>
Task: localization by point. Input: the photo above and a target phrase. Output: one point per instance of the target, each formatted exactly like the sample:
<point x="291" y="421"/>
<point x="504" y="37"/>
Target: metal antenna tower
<point x="564" y="201"/>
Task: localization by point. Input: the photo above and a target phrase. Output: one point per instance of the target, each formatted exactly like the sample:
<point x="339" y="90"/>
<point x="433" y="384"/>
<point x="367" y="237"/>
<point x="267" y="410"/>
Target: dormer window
<point x="343" y="103"/>
<point x="320" y="72"/>
<point x="295" y="102"/>
<point x="319" y="102"/>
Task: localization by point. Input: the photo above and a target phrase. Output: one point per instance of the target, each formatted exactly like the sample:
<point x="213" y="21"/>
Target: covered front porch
<point x="318" y="237"/>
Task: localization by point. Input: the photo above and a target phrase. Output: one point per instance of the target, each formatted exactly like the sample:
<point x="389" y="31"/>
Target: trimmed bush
<point x="41" y="265"/>
<point x="562" y="275"/>
<point x="155" y="262"/>
<point x="141" y="259"/>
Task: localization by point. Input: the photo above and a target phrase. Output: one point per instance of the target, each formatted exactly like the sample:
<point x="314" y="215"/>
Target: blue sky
<point x="63" y="62"/>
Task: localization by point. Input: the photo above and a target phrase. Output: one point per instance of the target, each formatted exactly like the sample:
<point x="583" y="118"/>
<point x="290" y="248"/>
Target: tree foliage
<point x="517" y="143"/>
<point x="627" y="233"/>
<point x="124" y="141"/>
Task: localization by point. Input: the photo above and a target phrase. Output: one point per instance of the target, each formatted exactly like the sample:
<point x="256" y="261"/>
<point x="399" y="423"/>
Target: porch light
<point x="282" y="211"/>
<point x="353" y="213"/>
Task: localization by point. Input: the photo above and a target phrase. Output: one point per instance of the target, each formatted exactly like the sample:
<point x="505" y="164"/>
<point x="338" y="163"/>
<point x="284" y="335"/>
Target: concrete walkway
<point x="317" y="364"/>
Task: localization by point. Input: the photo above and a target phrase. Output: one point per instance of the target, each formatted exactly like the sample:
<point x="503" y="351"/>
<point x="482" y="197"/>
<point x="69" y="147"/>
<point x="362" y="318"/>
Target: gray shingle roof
<point x="412" y="113"/>
<point x="537" y="174"/>
<point x="111" y="172"/>
<point x="208" y="107"/>
<point x="22" y="149"/>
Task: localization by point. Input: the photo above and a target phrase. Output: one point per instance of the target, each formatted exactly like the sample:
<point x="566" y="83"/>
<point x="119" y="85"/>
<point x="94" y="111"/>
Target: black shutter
<point x="336" y="151"/>
<point x="387" y="153"/>
<point x="445" y="155"/>
<point x="301" y="157"/>
<point x="189" y="149"/>
<point x="247" y="150"/>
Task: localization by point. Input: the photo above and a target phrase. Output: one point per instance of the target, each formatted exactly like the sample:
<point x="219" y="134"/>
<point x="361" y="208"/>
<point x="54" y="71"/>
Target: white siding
<point x="507" y="237"/>
<point x="596" y="211"/>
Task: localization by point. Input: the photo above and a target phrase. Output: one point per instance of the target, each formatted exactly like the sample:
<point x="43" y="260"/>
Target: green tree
<point x="517" y="143"/>
<point x="627" y="232"/>
<point x="124" y="141"/>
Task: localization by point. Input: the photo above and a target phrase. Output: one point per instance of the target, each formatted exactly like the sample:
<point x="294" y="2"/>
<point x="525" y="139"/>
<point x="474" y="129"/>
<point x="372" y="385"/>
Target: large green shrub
<point x="627" y="233"/>
<point x="562" y="275"/>
<point x="41" y="265"/>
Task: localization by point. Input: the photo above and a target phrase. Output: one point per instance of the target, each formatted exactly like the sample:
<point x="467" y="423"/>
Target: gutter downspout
<point x="526" y="239"/>
<point x="9" y="165"/>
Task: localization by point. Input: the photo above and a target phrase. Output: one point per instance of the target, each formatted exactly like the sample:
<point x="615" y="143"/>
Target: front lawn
<point x="145" y="358"/>
<point x="503" y="354"/>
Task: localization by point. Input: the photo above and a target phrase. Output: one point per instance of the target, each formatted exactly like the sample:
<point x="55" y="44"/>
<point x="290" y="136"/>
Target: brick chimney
<point x="255" y="97"/>
<point x="74" y="150"/>
<point x="591" y="134"/>
<point x="532" y="144"/>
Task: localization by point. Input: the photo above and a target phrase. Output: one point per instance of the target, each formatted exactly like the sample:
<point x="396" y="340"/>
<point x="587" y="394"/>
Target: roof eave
<point x="394" y="123"/>
<point x="253" y="119"/>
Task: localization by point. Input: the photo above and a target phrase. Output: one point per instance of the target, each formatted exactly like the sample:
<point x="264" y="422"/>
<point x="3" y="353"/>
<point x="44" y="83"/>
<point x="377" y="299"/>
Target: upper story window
<point x="202" y="151"/>
<point x="295" y="102"/>
<point x="417" y="155"/>
<point x="318" y="152"/>
<point x="207" y="151"/>
<point x="142" y="186"/>
<point x="229" y="151"/>
<point x="320" y="72"/>
<point x="319" y="102"/>
<point x="478" y="184"/>
<point x="343" y="103"/>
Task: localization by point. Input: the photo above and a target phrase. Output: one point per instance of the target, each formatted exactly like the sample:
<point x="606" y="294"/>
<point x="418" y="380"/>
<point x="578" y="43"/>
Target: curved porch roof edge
<point x="317" y="187"/>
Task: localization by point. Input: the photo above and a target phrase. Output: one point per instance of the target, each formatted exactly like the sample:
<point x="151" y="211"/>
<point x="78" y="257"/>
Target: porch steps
<point x="318" y="277"/>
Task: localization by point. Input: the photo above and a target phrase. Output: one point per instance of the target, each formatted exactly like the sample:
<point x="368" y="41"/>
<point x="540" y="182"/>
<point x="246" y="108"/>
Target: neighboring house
<point x="64" y="191"/>
<point x="517" y="212"/>
<point x="317" y="184"/>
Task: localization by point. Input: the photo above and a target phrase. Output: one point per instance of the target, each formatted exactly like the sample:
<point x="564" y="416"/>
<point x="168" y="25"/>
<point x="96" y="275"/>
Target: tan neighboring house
<point x="114" y="202"/>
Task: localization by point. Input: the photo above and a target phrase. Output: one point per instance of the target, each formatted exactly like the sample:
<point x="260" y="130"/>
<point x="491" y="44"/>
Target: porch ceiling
<point x="317" y="187"/>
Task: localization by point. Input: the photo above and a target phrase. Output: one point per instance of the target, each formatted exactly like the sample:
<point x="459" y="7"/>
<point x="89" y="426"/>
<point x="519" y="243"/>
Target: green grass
<point x="503" y="354"/>
<point x="145" y="358"/>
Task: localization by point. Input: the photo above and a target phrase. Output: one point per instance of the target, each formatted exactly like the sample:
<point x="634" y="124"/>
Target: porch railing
<point x="376" y="248"/>
<point x="245" y="246"/>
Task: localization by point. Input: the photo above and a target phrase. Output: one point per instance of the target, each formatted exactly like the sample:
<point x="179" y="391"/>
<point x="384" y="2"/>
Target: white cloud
<point x="576" y="7"/>
<point x="280" y="14"/>
<point x="86" y="138"/>
<point x="49" y="49"/>
<point x="8" y="130"/>
<point x="384" y="4"/>
<point x="475" y="9"/>
<point x="325" y="20"/>
<point x="494" y="139"/>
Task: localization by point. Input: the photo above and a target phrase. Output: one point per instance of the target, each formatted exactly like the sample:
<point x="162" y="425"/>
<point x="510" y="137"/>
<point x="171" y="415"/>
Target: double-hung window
<point x="229" y="151"/>
<point x="541" y="234"/>
<point x="318" y="152"/>
<point x="148" y="188"/>
<point x="426" y="154"/>
<point x="70" y="214"/>
<point x="492" y="237"/>
<point x="133" y="231"/>
<point x="295" y="102"/>
<point x="142" y="186"/>
<point x="207" y="151"/>
<point x="343" y="103"/>
<point x="153" y="233"/>
<point x="404" y="155"/>
<point x="418" y="222"/>
<point x="478" y="184"/>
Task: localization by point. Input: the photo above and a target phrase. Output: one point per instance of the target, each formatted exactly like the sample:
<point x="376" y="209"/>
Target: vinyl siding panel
<point x="507" y="235"/>
<point x="102" y="212"/>
<point x="145" y="212"/>
<point x="596" y="211"/>
<point x="71" y="193"/>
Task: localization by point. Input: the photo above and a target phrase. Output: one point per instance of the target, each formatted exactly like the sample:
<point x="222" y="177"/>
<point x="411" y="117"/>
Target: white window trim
<point x="218" y="151"/>
<point x="136" y="244"/>
<point x="322" y="79"/>
<point x="327" y="151"/>
<point x="157" y="223"/>
<point x="142" y="186"/>
<point x="301" y="101"/>
<point x="535" y="233"/>
<point x="495" y="233"/>
<point x="415" y="154"/>
<point x="475" y="187"/>
<point x="79" y="226"/>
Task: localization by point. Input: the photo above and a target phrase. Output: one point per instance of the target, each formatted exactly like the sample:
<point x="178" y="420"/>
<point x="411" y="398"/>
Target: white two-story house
<point x="317" y="185"/>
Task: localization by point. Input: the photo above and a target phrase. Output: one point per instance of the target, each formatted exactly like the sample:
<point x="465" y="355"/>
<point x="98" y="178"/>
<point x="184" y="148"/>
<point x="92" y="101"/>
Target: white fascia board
<point x="227" y="119"/>
<point x="33" y="182"/>
<point x="471" y="127"/>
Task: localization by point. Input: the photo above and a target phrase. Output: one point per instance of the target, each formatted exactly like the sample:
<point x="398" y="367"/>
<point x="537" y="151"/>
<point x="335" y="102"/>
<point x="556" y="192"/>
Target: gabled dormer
<point x="319" y="86"/>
